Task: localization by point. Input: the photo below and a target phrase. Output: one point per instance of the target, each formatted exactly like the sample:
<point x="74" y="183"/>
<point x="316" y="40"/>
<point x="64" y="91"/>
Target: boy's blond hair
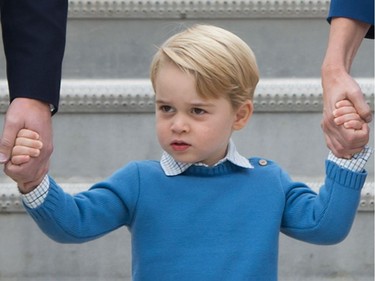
<point x="223" y="64"/>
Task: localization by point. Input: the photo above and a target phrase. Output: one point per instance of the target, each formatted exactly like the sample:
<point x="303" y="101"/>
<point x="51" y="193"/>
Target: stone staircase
<point x="106" y="120"/>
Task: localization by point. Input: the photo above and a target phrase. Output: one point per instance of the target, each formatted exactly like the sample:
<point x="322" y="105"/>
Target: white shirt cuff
<point x="36" y="197"/>
<point x="356" y="163"/>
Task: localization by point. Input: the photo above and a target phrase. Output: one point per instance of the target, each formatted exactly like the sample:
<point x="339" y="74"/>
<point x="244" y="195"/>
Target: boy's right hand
<point x="347" y="116"/>
<point x="27" y="145"/>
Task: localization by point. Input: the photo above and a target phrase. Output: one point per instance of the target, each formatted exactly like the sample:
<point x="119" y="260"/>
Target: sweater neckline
<point x="223" y="168"/>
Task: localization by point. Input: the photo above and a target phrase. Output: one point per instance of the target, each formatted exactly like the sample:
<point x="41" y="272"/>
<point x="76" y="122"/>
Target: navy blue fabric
<point x="362" y="10"/>
<point x="34" y="42"/>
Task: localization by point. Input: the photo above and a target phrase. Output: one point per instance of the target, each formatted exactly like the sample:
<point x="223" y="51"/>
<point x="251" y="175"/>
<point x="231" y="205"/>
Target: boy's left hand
<point x="346" y="115"/>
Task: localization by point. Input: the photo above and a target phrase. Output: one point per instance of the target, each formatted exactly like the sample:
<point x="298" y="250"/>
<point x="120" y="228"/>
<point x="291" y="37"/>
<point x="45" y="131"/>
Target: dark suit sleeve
<point x="362" y="10"/>
<point x="34" y="42"/>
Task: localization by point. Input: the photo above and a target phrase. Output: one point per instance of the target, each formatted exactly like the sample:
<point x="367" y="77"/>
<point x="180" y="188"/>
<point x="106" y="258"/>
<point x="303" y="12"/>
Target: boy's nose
<point x="179" y="125"/>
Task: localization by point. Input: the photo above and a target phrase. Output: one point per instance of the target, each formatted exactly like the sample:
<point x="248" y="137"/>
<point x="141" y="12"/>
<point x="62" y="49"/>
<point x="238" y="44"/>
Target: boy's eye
<point x="166" y="108"/>
<point x="198" y="111"/>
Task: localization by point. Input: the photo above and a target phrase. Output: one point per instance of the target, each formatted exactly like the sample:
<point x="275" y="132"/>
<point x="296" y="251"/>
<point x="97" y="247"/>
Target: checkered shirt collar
<point x="171" y="167"/>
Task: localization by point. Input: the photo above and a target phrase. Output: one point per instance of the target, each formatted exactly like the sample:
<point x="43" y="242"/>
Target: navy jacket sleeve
<point x="362" y="10"/>
<point x="34" y="42"/>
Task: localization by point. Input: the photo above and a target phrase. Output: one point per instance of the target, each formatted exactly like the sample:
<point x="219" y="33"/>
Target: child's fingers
<point x="344" y="110"/>
<point x="25" y="133"/>
<point x="354" y="124"/>
<point x="24" y="150"/>
<point x="32" y="143"/>
<point x="20" y="159"/>
<point x="346" y="118"/>
<point x="27" y="145"/>
<point x="342" y="103"/>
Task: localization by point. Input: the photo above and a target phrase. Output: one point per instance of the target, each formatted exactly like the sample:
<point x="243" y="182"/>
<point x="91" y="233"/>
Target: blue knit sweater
<point x="216" y="223"/>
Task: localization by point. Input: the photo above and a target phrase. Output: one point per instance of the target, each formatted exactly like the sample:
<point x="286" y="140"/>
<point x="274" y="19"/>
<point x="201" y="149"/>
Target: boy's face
<point x="191" y="129"/>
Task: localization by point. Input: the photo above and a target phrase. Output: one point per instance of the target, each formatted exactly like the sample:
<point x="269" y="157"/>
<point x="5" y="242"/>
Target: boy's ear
<point x="243" y="114"/>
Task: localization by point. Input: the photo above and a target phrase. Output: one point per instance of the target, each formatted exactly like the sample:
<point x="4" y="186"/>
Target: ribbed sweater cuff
<point x="49" y="204"/>
<point x="345" y="177"/>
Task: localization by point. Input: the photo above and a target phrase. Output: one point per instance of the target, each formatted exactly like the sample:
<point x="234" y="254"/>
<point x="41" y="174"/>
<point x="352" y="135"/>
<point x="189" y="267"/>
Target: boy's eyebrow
<point x="196" y="104"/>
<point x="160" y="101"/>
<point x="202" y="104"/>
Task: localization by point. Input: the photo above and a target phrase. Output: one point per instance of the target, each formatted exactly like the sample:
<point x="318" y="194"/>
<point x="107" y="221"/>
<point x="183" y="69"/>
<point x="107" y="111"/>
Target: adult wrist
<point x="29" y="102"/>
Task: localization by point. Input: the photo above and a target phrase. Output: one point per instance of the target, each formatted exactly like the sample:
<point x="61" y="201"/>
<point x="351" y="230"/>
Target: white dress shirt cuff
<point x="36" y="197"/>
<point x="356" y="163"/>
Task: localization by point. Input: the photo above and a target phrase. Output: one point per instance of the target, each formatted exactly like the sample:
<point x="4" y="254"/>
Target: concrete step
<point x="10" y="201"/>
<point x="111" y="122"/>
<point x="116" y="39"/>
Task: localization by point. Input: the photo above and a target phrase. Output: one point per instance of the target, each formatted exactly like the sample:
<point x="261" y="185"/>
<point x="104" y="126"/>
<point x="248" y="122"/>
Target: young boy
<point x="204" y="212"/>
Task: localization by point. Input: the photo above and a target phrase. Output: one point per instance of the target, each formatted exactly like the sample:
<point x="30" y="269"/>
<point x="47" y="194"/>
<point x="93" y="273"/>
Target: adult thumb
<point x="7" y="141"/>
<point x="363" y="109"/>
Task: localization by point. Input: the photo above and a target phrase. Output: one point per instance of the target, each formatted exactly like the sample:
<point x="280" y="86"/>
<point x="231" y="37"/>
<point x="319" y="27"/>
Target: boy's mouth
<point x="179" y="145"/>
